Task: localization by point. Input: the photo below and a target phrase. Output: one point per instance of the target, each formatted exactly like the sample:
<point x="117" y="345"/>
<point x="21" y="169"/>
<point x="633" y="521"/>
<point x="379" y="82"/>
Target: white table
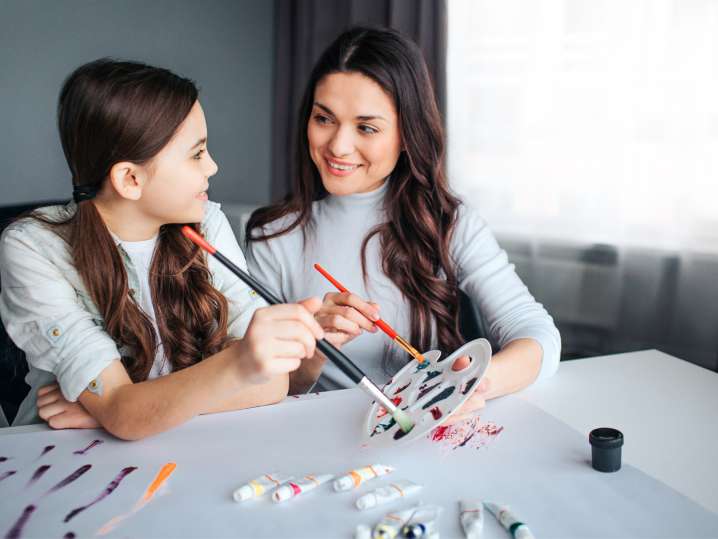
<point x="665" y="407"/>
<point x="667" y="430"/>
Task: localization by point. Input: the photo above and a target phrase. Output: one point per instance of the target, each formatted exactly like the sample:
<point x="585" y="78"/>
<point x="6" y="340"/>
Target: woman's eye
<point x="368" y="130"/>
<point x="321" y="119"/>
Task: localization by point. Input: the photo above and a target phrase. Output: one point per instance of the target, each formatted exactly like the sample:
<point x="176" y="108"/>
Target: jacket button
<point x="55" y="332"/>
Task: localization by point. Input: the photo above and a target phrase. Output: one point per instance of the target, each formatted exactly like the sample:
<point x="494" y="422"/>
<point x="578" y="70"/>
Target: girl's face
<point x="353" y="133"/>
<point x="178" y="176"/>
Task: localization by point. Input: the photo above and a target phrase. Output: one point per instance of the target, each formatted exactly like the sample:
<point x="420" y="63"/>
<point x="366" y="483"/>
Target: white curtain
<point x="587" y="120"/>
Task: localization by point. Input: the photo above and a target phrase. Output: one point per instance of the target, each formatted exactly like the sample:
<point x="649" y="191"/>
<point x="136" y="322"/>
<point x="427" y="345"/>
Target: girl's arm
<point x="256" y="366"/>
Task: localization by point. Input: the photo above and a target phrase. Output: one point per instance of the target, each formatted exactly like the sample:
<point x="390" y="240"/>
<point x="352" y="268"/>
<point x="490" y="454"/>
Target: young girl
<point x="137" y="330"/>
<point x="372" y="205"/>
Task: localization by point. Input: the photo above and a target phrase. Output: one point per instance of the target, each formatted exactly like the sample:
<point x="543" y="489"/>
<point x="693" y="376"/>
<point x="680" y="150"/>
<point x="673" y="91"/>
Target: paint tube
<point x="260" y="486"/>
<point x="362" y="532"/>
<point x="472" y="518"/>
<point x="382" y="495"/>
<point x="416" y="522"/>
<point x="506" y="518"/>
<point x="356" y="477"/>
<point x="290" y="489"/>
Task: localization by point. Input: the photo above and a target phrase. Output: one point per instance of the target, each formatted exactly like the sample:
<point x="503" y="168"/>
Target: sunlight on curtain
<point x="587" y="120"/>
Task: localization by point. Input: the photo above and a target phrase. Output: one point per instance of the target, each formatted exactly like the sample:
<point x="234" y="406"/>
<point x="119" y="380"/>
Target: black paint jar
<point x="606" y="446"/>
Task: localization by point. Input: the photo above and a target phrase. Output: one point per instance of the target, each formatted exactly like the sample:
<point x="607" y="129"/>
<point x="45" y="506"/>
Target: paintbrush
<point x="386" y="328"/>
<point x="337" y="357"/>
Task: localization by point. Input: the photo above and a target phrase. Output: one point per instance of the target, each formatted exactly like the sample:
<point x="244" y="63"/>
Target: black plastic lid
<point x="605" y="438"/>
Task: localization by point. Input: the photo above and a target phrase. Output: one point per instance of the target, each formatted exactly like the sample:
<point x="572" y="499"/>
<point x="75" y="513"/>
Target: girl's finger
<point x="46" y="412"/>
<point x="46" y="389"/>
<point x="49" y="398"/>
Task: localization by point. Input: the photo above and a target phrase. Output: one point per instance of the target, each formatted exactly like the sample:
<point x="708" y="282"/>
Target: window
<point x="587" y="120"/>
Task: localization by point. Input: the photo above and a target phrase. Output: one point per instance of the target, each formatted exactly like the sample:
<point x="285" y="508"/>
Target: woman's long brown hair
<point x="108" y="112"/>
<point x="420" y="209"/>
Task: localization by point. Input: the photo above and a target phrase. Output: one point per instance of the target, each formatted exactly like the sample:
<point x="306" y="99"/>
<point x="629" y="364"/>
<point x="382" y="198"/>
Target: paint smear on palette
<point x="109" y="489"/>
<point x="382" y="411"/>
<point x="16" y="529"/>
<point x="402" y="388"/>
<point x="158" y="481"/>
<point x="7" y="474"/>
<point x="468" y="433"/>
<point x="38" y="474"/>
<point x="94" y="443"/>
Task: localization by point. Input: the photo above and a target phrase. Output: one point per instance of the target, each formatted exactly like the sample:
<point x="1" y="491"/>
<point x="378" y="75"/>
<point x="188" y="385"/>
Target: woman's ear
<point x="128" y="180"/>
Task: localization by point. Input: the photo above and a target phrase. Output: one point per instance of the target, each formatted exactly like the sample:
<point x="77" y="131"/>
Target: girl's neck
<point x="125" y="221"/>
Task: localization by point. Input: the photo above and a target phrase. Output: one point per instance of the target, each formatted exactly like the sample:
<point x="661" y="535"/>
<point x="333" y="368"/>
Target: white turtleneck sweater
<point x="339" y="225"/>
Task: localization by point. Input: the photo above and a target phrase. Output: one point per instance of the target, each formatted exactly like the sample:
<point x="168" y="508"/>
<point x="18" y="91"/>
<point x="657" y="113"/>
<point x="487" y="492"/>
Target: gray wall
<point x="224" y="45"/>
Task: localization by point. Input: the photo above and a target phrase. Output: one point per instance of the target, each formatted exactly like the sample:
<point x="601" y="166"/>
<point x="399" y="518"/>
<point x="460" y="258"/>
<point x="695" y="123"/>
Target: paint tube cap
<point x="243" y="493"/>
<point x="343" y="483"/>
<point x="367" y="501"/>
<point x="606" y="446"/>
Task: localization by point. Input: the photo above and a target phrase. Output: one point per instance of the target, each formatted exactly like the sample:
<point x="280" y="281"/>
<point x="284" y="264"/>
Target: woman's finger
<point x="337" y="322"/>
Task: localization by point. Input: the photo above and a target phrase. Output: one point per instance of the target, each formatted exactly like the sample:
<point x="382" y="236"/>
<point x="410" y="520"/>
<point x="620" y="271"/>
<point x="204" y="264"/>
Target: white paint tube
<point x="471" y="514"/>
<point x="506" y="518"/>
<point x="391" y="492"/>
<point x="291" y="489"/>
<point x="356" y="477"/>
<point x="362" y="532"/>
<point x="260" y="486"/>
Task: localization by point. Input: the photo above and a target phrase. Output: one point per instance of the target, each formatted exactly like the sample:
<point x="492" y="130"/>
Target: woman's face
<point x="353" y="133"/>
<point x="179" y="175"/>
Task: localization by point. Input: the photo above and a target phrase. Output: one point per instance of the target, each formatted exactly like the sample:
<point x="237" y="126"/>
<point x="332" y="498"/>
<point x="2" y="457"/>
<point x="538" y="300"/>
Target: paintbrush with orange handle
<point x="386" y="328"/>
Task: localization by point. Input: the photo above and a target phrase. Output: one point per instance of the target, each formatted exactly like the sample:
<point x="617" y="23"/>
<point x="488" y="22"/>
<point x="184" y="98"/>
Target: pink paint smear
<point x="470" y="433"/>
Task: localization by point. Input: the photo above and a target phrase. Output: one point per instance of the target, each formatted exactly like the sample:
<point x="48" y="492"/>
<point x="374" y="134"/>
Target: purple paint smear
<point x="7" y="474"/>
<point x="16" y="529"/>
<point x="45" y="451"/>
<point x="38" y="474"/>
<point x="69" y="535"/>
<point x="83" y="451"/>
<point x="108" y="490"/>
<point x="70" y="478"/>
<point x="3" y="459"/>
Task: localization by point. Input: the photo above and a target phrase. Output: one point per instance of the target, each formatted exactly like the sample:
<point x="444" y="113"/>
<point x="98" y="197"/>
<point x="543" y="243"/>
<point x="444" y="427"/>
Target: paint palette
<point x="428" y="392"/>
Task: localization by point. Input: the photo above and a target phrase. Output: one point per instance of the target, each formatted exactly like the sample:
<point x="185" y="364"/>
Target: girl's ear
<point x="128" y="180"/>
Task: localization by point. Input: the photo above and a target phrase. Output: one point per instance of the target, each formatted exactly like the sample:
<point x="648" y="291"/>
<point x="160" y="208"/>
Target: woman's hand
<point x="478" y="398"/>
<point x="278" y="339"/>
<point x="61" y="413"/>
<point x="344" y="315"/>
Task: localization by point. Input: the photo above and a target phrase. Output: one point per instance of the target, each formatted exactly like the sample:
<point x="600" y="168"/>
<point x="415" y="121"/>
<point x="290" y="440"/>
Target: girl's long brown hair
<point x="108" y="112"/>
<point x="420" y="209"/>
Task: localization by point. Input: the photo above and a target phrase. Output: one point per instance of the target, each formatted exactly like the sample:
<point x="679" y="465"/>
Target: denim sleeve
<point x="44" y="316"/>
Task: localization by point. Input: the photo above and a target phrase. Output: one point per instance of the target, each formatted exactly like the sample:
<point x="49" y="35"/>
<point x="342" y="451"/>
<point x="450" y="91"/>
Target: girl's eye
<point x="198" y="155"/>
<point x="367" y="129"/>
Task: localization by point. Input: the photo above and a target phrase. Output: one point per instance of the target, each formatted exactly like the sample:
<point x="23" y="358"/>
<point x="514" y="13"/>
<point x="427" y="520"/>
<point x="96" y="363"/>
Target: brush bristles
<point x="403" y="420"/>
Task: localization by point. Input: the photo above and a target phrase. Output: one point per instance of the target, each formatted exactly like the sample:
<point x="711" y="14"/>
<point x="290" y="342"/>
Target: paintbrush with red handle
<point x="386" y="328"/>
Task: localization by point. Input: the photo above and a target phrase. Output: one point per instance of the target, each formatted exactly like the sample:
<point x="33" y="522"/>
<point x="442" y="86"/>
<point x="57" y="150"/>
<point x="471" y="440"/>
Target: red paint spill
<point x="468" y="433"/>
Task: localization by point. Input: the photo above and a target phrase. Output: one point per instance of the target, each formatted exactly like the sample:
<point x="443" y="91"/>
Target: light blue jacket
<point x="48" y="312"/>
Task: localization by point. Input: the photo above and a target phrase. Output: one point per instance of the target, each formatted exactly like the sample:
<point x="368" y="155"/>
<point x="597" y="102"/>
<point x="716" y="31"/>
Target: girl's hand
<point x="61" y="413"/>
<point x="344" y="315"/>
<point x="478" y="398"/>
<point x="277" y="339"/>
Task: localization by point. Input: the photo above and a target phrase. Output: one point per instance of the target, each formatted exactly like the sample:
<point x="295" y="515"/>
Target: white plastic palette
<point x="428" y="392"/>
